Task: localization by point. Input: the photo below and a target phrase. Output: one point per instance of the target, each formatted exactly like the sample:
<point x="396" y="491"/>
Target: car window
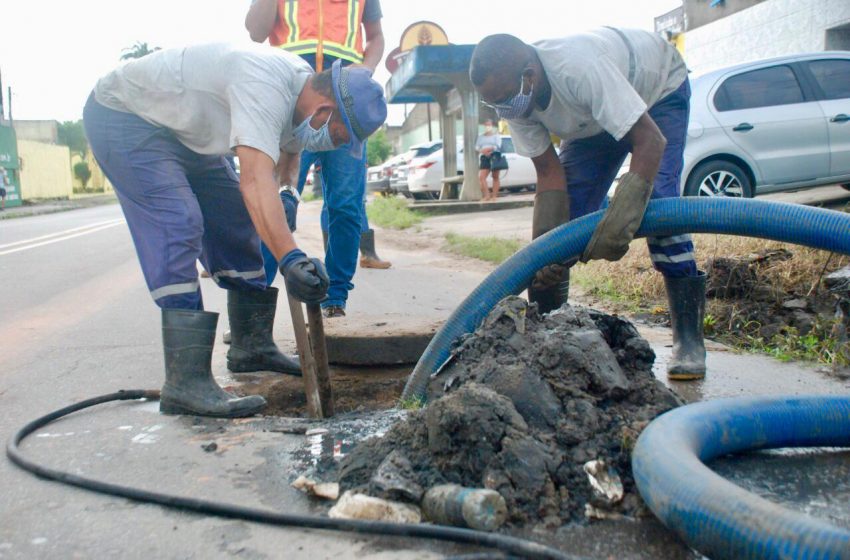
<point x="508" y="146"/>
<point x="833" y="77"/>
<point x="766" y="87"/>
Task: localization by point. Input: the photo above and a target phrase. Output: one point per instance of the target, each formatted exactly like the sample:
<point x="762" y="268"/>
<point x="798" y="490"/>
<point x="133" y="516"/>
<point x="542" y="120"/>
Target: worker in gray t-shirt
<point x="605" y="93"/>
<point x="161" y="128"/>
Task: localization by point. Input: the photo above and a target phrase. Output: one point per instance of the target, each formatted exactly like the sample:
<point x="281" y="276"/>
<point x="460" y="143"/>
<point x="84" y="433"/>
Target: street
<point x="78" y="322"/>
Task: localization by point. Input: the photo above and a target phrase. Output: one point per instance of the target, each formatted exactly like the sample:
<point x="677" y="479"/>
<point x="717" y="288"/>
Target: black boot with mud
<point x="252" y="347"/>
<point x="686" y="297"/>
<point x="543" y="409"/>
<point x="187" y="338"/>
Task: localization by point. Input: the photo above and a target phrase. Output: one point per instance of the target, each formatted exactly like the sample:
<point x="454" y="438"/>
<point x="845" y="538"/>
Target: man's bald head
<point x="499" y="55"/>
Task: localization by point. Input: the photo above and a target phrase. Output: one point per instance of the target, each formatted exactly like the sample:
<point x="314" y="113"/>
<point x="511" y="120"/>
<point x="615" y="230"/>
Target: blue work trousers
<point x="591" y="165"/>
<point x="180" y="206"/>
<point x="343" y="217"/>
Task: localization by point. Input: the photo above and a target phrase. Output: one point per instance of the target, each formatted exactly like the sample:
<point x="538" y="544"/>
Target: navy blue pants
<point x="591" y="165"/>
<point x="180" y="206"/>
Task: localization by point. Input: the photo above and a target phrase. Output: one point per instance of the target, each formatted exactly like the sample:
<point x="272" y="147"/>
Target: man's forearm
<point x="260" y="19"/>
<point x="373" y="51"/>
<point x="288" y="168"/>
<point x="648" y="146"/>
<point x="266" y="211"/>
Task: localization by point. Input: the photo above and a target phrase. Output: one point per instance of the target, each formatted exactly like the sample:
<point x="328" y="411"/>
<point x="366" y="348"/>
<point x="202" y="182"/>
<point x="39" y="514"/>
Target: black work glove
<point x="306" y="279"/>
<point x="290" y="207"/>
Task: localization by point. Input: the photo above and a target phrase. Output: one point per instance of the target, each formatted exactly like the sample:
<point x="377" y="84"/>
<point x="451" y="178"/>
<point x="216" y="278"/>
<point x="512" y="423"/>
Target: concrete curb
<point x="439" y="208"/>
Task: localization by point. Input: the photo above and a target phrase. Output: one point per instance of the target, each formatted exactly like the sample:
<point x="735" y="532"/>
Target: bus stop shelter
<point x="441" y="74"/>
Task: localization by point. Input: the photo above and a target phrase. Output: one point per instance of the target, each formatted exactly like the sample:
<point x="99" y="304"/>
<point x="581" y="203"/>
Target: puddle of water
<point x="330" y="440"/>
<point x="811" y="481"/>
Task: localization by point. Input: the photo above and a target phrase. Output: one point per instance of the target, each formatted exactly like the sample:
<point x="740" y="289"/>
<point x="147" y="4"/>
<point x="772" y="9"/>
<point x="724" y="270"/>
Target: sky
<point x="52" y="51"/>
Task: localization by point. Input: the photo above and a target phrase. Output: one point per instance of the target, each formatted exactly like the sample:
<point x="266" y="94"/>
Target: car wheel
<point x="514" y="189"/>
<point x="719" y="178"/>
<point x="846" y="186"/>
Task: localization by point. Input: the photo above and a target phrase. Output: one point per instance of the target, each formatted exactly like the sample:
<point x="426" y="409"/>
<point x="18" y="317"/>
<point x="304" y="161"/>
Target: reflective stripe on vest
<point x="298" y="29"/>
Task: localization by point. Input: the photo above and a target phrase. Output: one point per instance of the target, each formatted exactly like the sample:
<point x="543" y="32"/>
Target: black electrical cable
<point x="503" y="543"/>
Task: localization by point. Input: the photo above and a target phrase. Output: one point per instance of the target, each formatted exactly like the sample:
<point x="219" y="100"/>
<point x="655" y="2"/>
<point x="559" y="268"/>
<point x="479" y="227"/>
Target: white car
<point x="425" y="174"/>
<point x="770" y="125"/>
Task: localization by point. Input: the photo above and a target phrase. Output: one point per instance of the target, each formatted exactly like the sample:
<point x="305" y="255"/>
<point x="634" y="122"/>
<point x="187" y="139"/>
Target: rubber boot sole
<point x="249" y="367"/>
<point x="178" y="409"/>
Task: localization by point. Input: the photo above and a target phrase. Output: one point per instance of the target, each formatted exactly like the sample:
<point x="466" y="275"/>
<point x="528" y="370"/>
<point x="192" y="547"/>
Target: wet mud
<point x="520" y="408"/>
<point x="355" y="390"/>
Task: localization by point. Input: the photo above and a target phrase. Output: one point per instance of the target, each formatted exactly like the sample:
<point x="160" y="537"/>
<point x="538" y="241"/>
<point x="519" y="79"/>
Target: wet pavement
<point x="93" y="330"/>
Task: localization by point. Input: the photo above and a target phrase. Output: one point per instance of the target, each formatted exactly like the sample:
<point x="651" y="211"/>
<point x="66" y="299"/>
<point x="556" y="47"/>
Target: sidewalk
<point x="40" y="207"/>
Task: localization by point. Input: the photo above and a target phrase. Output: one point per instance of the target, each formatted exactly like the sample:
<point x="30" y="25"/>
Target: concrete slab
<point x="373" y="340"/>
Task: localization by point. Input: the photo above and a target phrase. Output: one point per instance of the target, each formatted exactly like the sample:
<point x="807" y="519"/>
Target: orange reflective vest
<point x="322" y="27"/>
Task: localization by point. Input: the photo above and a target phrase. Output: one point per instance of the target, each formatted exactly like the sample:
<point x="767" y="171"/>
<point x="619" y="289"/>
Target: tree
<point x="378" y="149"/>
<point x="73" y="135"/>
<point x="138" y="50"/>
<point x="83" y="172"/>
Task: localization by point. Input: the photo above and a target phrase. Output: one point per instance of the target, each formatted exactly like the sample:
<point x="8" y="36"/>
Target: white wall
<point x="771" y="28"/>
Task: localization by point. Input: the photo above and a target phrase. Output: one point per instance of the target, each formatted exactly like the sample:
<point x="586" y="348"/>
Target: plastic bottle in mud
<point x="476" y="508"/>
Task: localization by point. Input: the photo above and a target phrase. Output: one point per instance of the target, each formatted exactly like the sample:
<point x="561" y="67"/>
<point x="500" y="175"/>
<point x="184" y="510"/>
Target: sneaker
<point x="332" y="311"/>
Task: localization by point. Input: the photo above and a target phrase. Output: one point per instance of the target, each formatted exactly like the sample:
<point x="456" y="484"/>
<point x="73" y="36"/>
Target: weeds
<point x="490" y="249"/>
<point x="392" y="213"/>
<point x="412" y="403"/>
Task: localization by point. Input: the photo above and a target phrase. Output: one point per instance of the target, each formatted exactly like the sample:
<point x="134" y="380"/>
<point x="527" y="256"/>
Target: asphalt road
<point x="77" y="321"/>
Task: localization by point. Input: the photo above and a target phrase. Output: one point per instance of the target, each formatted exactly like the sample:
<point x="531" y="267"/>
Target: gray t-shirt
<point x="591" y="90"/>
<point x="213" y="97"/>
<point x="372" y="10"/>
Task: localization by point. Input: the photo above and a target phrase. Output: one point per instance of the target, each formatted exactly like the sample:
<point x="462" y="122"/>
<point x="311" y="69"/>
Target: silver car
<point x="770" y="125"/>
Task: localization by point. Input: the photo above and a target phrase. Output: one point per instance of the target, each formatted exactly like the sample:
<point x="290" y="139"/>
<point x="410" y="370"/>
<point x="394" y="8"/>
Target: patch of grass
<point x="392" y="213"/>
<point x="816" y="346"/>
<point x="632" y="284"/>
<point x="309" y="197"/>
<point x="490" y="249"/>
<point x="412" y="403"/>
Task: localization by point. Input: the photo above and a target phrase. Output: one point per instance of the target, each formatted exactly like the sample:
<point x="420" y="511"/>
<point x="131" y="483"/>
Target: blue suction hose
<point x="792" y="223"/>
<point x="711" y="514"/>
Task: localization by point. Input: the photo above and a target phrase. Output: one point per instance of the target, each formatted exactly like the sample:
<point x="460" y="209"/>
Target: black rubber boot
<point x="368" y="257"/>
<point x="252" y="347"/>
<point x="550" y="299"/>
<point x="187" y="338"/>
<point x="686" y="297"/>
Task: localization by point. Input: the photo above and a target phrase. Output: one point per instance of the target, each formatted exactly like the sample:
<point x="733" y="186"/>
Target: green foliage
<point x="490" y="249"/>
<point x="412" y="403"/>
<point x="138" y="50"/>
<point x="818" y="345"/>
<point x="606" y="288"/>
<point x="709" y="322"/>
<point x="73" y="135"/>
<point x="378" y="149"/>
<point x="392" y="213"/>
<point x="308" y="196"/>
<point x="82" y="172"/>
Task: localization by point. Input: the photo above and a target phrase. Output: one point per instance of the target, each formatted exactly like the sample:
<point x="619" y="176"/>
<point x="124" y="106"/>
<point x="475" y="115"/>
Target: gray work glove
<point x="610" y="240"/>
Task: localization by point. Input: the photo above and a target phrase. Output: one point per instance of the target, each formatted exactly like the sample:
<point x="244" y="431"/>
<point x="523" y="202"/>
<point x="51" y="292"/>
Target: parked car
<point x="378" y="176"/>
<point x="399" y="172"/>
<point x="770" y="125"/>
<point x="426" y="173"/>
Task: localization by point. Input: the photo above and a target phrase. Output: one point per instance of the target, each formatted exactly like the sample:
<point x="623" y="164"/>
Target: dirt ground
<point x="355" y="389"/>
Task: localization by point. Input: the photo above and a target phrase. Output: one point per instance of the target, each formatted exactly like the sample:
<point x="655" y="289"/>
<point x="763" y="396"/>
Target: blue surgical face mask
<point x="517" y="106"/>
<point x="312" y="139"/>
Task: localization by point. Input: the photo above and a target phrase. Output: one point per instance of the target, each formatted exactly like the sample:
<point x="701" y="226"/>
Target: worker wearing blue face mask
<point x="606" y="93"/>
<point x="161" y="128"/>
